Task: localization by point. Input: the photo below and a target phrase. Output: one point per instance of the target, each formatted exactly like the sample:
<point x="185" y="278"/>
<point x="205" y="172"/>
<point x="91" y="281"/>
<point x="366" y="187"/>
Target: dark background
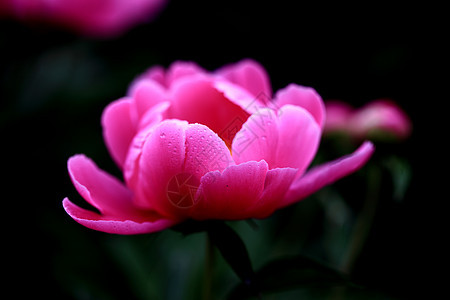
<point x="54" y="86"/>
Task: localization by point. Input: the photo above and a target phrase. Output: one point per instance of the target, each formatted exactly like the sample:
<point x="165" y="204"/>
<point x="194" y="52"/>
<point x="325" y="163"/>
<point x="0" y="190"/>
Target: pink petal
<point x="180" y="69"/>
<point x="165" y="79"/>
<point x="287" y="139"/>
<point x="196" y="100"/>
<point x="131" y="166"/>
<point x="153" y="115"/>
<point x="118" y="129"/>
<point x="240" y="96"/>
<point x="146" y="94"/>
<point x="327" y="173"/>
<point x="305" y="97"/>
<point x="383" y="115"/>
<point x="230" y="194"/>
<point x="156" y="74"/>
<point x="339" y="115"/>
<point x="250" y="75"/>
<point x="205" y="151"/>
<point x="276" y="185"/>
<point x="100" y="189"/>
<point x="172" y="151"/>
<point x="115" y="225"/>
<point x="161" y="158"/>
<point x="149" y="120"/>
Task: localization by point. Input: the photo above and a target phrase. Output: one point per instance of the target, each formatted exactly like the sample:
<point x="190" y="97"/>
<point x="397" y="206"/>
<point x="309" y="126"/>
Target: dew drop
<point x="162" y="135"/>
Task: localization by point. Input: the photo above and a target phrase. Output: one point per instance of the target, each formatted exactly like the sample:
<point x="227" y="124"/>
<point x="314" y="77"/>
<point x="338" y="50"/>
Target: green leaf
<point x="232" y="249"/>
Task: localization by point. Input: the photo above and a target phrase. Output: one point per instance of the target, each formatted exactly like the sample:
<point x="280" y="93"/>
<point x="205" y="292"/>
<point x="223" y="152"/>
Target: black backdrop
<point x="54" y="85"/>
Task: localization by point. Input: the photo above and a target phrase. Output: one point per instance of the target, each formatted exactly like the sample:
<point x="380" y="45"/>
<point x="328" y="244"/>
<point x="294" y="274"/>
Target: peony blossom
<point x="102" y="18"/>
<point x="379" y="116"/>
<point x="205" y="145"/>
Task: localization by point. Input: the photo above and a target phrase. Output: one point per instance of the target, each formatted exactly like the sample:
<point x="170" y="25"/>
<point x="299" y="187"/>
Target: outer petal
<point x="327" y="173"/>
<point x="230" y="194"/>
<point x="250" y="75"/>
<point x="116" y="225"/>
<point x="305" y="97"/>
<point x="276" y="185"/>
<point x="287" y="139"/>
<point x="118" y="129"/>
<point x="100" y="189"/>
<point x="111" y="198"/>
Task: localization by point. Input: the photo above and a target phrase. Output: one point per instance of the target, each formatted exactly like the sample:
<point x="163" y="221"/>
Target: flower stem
<point x="209" y="262"/>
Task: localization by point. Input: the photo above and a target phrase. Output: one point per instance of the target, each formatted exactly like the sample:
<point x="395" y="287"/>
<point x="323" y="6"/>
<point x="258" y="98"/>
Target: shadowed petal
<point x="196" y="100"/>
<point x="239" y="96"/>
<point x="327" y="173"/>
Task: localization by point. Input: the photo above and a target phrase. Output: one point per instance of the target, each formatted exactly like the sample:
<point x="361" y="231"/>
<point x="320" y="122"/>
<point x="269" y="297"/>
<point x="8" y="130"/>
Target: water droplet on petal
<point x="162" y="135"/>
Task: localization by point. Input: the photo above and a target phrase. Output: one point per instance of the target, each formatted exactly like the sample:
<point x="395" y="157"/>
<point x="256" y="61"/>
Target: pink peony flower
<point x="103" y="18"/>
<point x="377" y="116"/>
<point x="199" y="145"/>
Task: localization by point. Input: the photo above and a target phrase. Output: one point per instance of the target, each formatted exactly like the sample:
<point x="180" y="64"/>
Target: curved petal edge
<point x="98" y="222"/>
<point x="327" y="173"/>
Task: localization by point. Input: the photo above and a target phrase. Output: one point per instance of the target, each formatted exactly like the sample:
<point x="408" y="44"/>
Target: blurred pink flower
<point x="379" y="116"/>
<point x="101" y="18"/>
<point x="199" y="145"/>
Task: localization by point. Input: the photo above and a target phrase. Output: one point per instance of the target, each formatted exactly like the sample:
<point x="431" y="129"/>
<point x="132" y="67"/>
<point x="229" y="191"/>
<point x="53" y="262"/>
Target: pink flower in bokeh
<point x="199" y="145"/>
<point x="102" y="18"/>
<point x="377" y="117"/>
